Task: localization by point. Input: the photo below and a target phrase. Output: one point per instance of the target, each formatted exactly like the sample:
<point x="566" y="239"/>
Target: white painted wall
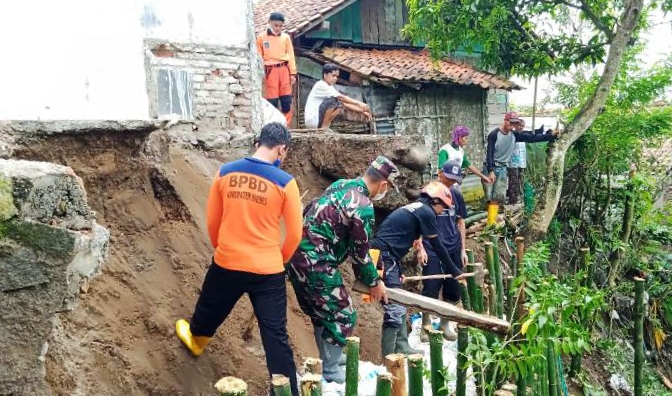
<point x="83" y="59"/>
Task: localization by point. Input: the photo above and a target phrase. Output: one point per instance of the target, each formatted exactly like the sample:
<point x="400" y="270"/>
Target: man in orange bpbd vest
<point x="277" y="51"/>
<point x="247" y="201"/>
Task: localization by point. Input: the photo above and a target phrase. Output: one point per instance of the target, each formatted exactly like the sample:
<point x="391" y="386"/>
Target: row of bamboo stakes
<point x="543" y="381"/>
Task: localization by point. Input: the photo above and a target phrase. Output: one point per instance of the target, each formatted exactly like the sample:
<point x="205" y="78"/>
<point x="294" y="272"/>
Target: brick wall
<point x="221" y="86"/>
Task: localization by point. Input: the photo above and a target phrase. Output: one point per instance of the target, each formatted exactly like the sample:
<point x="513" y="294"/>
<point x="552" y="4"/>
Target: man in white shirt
<point x="325" y="103"/>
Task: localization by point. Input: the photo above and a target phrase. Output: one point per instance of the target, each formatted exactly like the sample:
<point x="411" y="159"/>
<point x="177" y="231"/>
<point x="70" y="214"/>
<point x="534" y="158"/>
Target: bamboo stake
<point x="552" y="369"/>
<point x="462" y="343"/>
<point x="499" y="285"/>
<point x="311" y="385"/>
<point x="436" y="362"/>
<point x="575" y="366"/>
<point x="416" y="367"/>
<point x="475" y="295"/>
<point x="490" y="262"/>
<point x="231" y="386"/>
<point x="544" y="377"/>
<point x="352" y="366"/>
<point x="384" y="384"/>
<point x="313" y="366"/>
<point x="639" y="335"/>
<point x="281" y="385"/>
<point x="396" y="365"/>
<point x="521" y="385"/>
<point x="464" y="293"/>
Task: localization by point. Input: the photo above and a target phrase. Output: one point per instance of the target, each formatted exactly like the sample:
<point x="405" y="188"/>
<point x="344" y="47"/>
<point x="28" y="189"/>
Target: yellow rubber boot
<point x="493" y="211"/>
<point x="196" y="345"/>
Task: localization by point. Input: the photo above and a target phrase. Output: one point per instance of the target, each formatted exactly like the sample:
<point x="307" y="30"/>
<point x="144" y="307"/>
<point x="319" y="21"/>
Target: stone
<point x="47" y="249"/>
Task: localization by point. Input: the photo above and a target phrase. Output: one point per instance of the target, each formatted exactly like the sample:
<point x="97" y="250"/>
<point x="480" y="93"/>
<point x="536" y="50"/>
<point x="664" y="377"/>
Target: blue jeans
<point x="392" y="271"/>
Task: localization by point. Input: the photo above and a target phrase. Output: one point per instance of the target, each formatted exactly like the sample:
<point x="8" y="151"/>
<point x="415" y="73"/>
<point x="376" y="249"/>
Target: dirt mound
<point x="121" y="338"/>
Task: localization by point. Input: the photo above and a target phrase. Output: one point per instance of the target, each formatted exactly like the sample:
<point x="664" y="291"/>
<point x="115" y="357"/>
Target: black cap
<point x="452" y="170"/>
<point x="277" y="16"/>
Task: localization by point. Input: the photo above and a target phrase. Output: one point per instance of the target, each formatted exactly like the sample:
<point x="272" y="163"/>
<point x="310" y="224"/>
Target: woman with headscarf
<point x="454" y="151"/>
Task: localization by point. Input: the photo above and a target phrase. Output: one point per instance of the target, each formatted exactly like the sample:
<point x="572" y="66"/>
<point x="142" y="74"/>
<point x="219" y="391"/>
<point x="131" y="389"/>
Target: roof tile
<point x="411" y="66"/>
<point x="297" y="13"/>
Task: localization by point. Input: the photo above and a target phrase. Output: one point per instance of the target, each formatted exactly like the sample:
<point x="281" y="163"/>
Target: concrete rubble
<point x="50" y="244"/>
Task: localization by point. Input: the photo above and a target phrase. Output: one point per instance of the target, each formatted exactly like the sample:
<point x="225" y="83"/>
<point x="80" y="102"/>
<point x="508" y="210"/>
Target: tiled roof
<point x="300" y="15"/>
<point x="409" y="67"/>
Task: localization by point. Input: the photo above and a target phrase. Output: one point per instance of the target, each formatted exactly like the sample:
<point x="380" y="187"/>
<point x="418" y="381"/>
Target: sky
<point x="659" y="46"/>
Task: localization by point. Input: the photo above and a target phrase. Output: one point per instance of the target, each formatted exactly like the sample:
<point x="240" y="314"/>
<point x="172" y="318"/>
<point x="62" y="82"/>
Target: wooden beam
<point x="442" y="309"/>
<point x="444" y="276"/>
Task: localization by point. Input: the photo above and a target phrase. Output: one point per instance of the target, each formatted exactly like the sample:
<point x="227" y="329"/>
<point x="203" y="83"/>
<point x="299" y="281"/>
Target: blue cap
<point x="452" y="170"/>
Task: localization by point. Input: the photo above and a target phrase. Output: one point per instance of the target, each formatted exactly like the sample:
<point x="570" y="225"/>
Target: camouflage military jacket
<point x="338" y="225"/>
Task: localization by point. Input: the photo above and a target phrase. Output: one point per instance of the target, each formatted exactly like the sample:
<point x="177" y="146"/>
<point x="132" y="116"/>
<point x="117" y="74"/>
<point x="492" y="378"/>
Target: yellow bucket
<point x="493" y="211"/>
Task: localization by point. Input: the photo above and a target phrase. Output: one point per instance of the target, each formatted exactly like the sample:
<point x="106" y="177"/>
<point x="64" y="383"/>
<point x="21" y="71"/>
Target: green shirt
<point x="450" y="152"/>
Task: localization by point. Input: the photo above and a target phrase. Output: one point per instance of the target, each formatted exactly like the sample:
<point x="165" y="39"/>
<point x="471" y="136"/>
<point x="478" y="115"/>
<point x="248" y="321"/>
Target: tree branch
<point x="596" y="20"/>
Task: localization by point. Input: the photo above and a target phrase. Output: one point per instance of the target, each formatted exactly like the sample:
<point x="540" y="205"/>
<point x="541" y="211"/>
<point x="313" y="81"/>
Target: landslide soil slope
<point x="120" y="340"/>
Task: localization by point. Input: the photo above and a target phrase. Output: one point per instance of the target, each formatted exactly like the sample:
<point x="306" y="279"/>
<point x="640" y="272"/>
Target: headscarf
<point x="460" y="131"/>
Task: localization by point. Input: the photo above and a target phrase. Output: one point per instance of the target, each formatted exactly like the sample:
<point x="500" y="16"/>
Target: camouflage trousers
<point x="323" y="297"/>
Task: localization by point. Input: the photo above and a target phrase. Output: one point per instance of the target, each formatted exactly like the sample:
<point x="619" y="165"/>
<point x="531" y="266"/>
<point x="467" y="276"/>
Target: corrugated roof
<point x="300" y="15"/>
<point x="409" y="66"/>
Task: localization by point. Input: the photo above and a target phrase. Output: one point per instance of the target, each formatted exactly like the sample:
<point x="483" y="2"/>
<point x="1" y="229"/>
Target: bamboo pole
<point x="475" y="294"/>
<point x="311" y="385"/>
<point x="436" y="362"/>
<point x="499" y="285"/>
<point x="416" y="368"/>
<point x="552" y="369"/>
<point x="464" y="293"/>
<point x="442" y="276"/>
<point x="462" y="343"/>
<point x="231" y="386"/>
<point x="384" y="384"/>
<point x="490" y="262"/>
<point x="521" y="385"/>
<point x="313" y="366"/>
<point x="544" y="377"/>
<point x="639" y="335"/>
<point x="352" y="366"/>
<point x="281" y="385"/>
<point x="575" y="365"/>
<point x="396" y="365"/>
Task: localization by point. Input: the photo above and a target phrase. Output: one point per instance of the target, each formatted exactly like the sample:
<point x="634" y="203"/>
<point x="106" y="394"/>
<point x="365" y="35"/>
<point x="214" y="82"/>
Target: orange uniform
<point x="279" y="64"/>
<point x="248" y="198"/>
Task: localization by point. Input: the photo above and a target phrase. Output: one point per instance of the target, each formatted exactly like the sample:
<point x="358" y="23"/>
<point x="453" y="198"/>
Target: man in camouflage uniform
<point x="338" y="225"/>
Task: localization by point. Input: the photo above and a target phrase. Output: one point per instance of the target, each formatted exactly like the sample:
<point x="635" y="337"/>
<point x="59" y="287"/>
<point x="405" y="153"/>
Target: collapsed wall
<point x="50" y="244"/>
<point x="151" y="194"/>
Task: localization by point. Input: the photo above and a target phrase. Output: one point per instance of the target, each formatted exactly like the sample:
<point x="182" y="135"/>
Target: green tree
<point x="533" y="38"/>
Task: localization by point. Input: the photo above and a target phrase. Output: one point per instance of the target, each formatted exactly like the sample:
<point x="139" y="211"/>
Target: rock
<point x="502" y="392"/>
<point x="49" y="243"/>
<point x="6" y="149"/>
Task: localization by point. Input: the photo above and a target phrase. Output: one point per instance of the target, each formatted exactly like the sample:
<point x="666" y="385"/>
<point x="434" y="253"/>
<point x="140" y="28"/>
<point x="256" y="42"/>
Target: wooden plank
<point x="370" y="21"/>
<point x="442" y="309"/>
<point x="356" y="10"/>
<point x="427" y="277"/>
<point x="309" y="68"/>
<point x="388" y="31"/>
<point x="345" y="23"/>
<point x="399" y="23"/>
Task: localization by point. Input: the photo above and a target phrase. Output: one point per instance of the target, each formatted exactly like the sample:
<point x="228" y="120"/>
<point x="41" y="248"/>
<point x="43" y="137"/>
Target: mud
<point x="120" y="340"/>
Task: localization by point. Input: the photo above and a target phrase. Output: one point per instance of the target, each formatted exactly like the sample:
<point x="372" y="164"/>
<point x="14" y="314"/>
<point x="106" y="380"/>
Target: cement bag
<point x="272" y="114"/>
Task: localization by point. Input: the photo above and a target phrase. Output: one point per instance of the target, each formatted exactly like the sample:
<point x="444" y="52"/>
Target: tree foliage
<point x="520" y="37"/>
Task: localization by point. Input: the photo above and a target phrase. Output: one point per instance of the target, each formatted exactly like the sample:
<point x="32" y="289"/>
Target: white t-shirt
<point x="321" y="91"/>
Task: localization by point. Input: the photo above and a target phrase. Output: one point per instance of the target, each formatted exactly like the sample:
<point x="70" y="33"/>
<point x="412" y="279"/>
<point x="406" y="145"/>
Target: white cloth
<point x="321" y="91"/>
<point x="519" y="156"/>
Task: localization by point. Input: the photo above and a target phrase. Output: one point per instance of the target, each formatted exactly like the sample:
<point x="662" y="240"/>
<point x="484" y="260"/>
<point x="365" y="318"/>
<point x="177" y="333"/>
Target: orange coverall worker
<point x="248" y="199"/>
<point x="279" y="65"/>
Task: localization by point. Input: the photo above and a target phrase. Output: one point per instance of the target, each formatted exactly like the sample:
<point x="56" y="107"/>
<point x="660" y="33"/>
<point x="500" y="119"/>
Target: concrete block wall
<point x="497" y="105"/>
<point x="225" y="84"/>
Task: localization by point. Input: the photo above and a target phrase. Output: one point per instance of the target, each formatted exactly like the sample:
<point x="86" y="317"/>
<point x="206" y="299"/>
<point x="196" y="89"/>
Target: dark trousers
<point x="221" y="291"/>
<point x="451" y="287"/>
